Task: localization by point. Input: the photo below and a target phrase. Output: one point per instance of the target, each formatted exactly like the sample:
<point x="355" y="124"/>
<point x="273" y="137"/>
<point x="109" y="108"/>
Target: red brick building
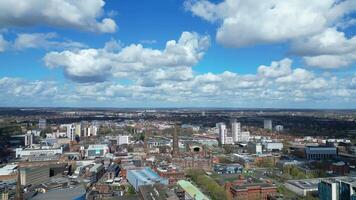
<point x="250" y="191"/>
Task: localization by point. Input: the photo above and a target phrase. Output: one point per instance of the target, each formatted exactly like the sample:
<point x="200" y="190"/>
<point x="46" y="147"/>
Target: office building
<point x="244" y="136"/>
<point x="96" y="172"/>
<point x="232" y="168"/>
<point x="123" y="139"/>
<point x="34" y="175"/>
<point x="303" y="187"/>
<point x="339" y="188"/>
<point x="254" y="148"/>
<point x="222" y="132"/>
<point x="70" y="131"/>
<point x="236" y="130"/>
<point x="318" y="153"/>
<point x="278" y="128"/>
<point x="92" y="130"/>
<point x="273" y="146"/>
<point x="42" y="124"/>
<point x="267" y="124"/>
<point x="30" y="153"/>
<point x="28" y="139"/>
<point x="97" y="150"/>
<point x="78" y="130"/>
<point x="69" y="193"/>
<point x="144" y="176"/>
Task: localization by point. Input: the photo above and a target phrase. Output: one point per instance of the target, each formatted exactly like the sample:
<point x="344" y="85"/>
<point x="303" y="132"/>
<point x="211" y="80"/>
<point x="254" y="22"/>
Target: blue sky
<point x="174" y="53"/>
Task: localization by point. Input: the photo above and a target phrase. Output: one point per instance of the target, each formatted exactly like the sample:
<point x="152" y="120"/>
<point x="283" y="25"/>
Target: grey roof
<point x="62" y="194"/>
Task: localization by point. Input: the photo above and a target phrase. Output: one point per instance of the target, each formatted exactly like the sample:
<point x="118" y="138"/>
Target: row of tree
<point x="208" y="184"/>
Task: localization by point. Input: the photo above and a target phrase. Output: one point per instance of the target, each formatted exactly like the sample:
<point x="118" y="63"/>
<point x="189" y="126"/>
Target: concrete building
<point x="42" y="123"/>
<point x="97" y="150"/>
<point x="273" y="146"/>
<point x="144" y="176"/>
<point x="244" y="136"/>
<point x="123" y="139"/>
<point x="29" y="152"/>
<point x="278" y="128"/>
<point x="236" y="130"/>
<point x="78" y="129"/>
<point x="28" y="139"/>
<point x="339" y="188"/>
<point x="191" y="191"/>
<point x="70" y="193"/>
<point x="267" y="124"/>
<point x="232" y="168"/>
<point x="34" y="175"/>
<point x="254" y="148"/>
<point x="317" y="153"/>
<point x="303" y="187"/>
<point x="70" y="131"/>
<point x="222" y="132"/>
<point x="92" y="130"/>
<point x="96" y="172"/>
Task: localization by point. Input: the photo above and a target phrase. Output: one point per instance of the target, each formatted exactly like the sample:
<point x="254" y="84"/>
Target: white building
<point x="222" y="132"/>
<point x="97" y="150"/>
<point x="28" y="139"/>
<point x="244" y="136"/>
<point x="93" y="130"/>
<point x="70" y="131"/>
<point x="236" y="130"/>
<point x="254" y="148"/>
<point x="273" y="146"/>
<point x="21" y="153"/>
<point x="123" y="139"/>
<point x="267" y="124"/>
<point x="278" y="128"/>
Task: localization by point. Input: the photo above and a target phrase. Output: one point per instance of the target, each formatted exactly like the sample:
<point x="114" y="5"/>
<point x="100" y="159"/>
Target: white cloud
<point x="43" y="40"/>
<point x="161" y="87"/>
<point x="328" y="42"/>
<point x="276" y="69"/>
<point x="79" y="14"/>
<point x="3" y="44"/>
<point x="331" y="61"/>
<point x="244" y="23"/>
<point x="95" y="65"/>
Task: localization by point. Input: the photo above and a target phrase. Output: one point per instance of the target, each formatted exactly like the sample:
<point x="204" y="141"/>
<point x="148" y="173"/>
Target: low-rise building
<point x="144" y="176"/>
<point x="317" y="153"/>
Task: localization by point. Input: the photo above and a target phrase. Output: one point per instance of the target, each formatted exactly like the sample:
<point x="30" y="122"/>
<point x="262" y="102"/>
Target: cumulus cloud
<point x="314" y="28"/>
<point x="3" y="44"/>
<point x="271" y="85"/>
<point x="96" y="65"/>
<point x="244" y="23"/>
<point x="80" y="14"/>
<point x="43" y="40"/>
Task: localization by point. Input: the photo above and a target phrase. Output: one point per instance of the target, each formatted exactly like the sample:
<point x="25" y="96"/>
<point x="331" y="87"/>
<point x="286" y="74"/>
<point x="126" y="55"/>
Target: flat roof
<point x="305" y="183"/>
<point x="192" y="190"/>
<point x="7" y="169"/>
<point x="154" y="192"/>
<point x="63" y="194"/>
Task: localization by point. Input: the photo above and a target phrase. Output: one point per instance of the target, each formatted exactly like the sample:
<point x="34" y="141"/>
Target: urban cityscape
<point x="177" y="100"/>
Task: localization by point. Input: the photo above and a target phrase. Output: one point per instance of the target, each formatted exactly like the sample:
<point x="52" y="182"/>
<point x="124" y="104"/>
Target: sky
<point x="178" y="53"/>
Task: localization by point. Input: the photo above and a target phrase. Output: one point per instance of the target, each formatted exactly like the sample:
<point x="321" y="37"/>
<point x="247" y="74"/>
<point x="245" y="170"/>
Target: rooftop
<point x="63" y="194"/>
<point x="7" y="169"/>
<point x="192" y="190"/>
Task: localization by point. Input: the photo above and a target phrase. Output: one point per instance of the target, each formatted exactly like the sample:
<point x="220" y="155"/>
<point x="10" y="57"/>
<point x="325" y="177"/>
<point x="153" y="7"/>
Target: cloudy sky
<point x="178" y="53"/>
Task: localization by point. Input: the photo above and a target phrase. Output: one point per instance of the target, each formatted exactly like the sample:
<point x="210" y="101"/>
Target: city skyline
<point x="192" y="53"/>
